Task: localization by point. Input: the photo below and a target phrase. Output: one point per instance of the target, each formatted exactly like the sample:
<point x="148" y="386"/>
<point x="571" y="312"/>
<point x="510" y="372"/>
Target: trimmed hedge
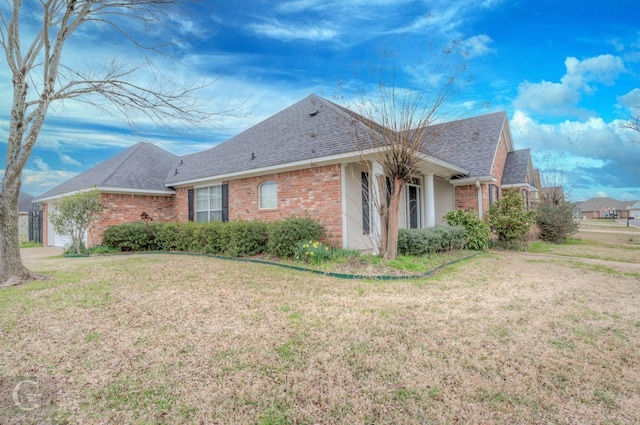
<point x="420" y="242"/>
<point x="136" y="236"/>
<point x="284" y="235"/>
<point x="236" y="238"/>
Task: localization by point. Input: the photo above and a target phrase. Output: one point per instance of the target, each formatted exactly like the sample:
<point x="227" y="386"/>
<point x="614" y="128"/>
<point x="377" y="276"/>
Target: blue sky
<point x="567" y="73"/>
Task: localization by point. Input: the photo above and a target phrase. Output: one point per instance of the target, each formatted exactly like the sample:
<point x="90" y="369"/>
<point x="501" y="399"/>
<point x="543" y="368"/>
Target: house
<point x="307" y="160"/>
<point x="604" y="207"/>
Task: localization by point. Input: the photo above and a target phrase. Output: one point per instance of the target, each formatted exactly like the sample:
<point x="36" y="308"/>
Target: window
<point x="494" y="193"/>
<point x="268" y="195"/>
<point x="209" y="204"/>
<point x="366" y="206"/>
<point x="414" y="204"/>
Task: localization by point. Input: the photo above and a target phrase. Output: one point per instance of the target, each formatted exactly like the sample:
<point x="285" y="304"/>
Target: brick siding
<point x="466" y="197"/>
<point x="121" y="208"/>
<point x="314" y="192"/>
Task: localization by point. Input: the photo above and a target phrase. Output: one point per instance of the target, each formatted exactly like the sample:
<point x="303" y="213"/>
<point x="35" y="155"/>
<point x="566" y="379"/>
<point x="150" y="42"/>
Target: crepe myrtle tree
<point x="33" y="36"/>
<point x="397" y="129"/>
<point x="74" y="214"/>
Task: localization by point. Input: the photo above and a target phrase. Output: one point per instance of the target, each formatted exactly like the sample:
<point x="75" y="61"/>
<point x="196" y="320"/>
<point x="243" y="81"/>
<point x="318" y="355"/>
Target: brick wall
<point x="120" y="208"/>
<point x="316" y="192"/>
<point x="182" y="204"/>
<point x="466" y="197"/>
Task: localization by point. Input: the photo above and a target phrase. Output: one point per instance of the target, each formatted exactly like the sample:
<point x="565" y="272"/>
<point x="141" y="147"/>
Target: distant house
<point x="305" y="161"/>
<point x="604" y="207"/>
<point x="634" y="212"/>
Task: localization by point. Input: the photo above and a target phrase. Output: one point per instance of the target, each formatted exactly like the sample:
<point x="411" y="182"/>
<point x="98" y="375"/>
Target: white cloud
<point x="600" y="69"/>
<point x="40" y="164"/>
<point x="66" y="159"/>
<point x="594" y="154"/>
<point x="631" y="100"/>
<point x="37" y="182"/>
<point x="287" y="32"/>
<point x="478" y="45"/>
<point x="563" y="97"/>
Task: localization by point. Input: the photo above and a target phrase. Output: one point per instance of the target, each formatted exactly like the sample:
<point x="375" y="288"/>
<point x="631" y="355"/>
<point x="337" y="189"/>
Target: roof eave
<point x="123" y="191"/>
<point x="368" y="154"/>
<point x="527" y="186"/>
<point x="472" y="180"/>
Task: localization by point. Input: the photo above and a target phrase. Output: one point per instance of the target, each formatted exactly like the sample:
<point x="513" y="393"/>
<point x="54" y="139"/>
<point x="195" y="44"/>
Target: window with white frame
<point x="268" y="195"/>
<point x="209" y="204"/>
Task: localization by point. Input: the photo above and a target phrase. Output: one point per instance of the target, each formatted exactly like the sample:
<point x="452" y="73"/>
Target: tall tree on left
<point x="33" y="35"/>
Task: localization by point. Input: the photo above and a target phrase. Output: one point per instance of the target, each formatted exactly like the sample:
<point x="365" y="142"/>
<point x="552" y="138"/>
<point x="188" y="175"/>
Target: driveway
<point x="40" y="252"/>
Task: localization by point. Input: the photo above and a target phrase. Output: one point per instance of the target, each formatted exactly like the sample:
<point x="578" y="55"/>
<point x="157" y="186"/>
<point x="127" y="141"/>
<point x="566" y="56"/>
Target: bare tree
<point x="398" y="133"/>
<point x="41" y="77"/>
<point x="553" y="190"/>
<point x="634" y="124"/>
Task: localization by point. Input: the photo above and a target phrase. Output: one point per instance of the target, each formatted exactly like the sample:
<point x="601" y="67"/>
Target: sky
<point x="567" y="73"/>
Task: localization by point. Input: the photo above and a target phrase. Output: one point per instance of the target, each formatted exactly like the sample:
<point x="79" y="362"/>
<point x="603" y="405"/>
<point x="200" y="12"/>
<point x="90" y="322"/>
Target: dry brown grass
<point x="503" y="338"/>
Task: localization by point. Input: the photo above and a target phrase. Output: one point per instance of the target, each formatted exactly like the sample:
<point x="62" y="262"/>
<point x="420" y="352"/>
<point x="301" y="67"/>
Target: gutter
<point x="479" y="187"/>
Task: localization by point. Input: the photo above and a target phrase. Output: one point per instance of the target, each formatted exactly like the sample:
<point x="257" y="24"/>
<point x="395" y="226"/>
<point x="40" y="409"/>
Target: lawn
<point x="502" y="338"/>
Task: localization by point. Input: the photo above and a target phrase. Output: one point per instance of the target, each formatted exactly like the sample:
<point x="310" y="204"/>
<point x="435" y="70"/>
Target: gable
<point x="517" y="168"/>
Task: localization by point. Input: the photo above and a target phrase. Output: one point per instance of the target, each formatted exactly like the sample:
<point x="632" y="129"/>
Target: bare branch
<point x="393" y="128"/>
<point x="41" y="77"/>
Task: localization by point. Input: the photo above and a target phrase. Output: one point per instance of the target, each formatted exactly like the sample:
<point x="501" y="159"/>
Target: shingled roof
<point x="469" y="143"/>
<point x="516" y="167"/>
<point x="597" y="204"/>
<point x="316" y="128"/>
<point x="142" y="167"/>
<point x="309" y="129"/>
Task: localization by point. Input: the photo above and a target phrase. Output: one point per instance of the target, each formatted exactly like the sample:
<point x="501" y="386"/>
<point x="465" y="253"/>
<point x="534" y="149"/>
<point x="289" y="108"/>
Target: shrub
<point x="244" y="238"/>
<point x="73" y="215"/>
<point x="135" y="236"/>
<point x="510" y="219"/>
<point x="421" y="242"/>
<point x="236" y="238"/>
<point x="189" y="236"/>
<point x="555" y="222"/>
<point x="212" y="233"/>
<point x="284" y="235"/>
<point x="478" y="232"/>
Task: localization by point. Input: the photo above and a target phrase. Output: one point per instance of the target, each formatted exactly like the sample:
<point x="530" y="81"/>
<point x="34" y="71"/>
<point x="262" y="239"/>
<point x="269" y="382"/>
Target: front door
<point x="414" y="202"/>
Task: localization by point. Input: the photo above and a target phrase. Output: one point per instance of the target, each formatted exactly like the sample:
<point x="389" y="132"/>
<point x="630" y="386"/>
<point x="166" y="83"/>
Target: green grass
<point x="154" y="339"/>
<point x="30" y="245"/>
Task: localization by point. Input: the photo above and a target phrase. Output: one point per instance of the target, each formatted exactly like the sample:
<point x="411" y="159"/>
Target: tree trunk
<point x="12" y="271"/>
<point x="383" y="211"/>
<point x="392" y="229"/>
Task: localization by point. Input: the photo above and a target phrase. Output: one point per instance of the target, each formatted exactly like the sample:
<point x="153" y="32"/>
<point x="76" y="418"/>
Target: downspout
<point x="479" y="186"/>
